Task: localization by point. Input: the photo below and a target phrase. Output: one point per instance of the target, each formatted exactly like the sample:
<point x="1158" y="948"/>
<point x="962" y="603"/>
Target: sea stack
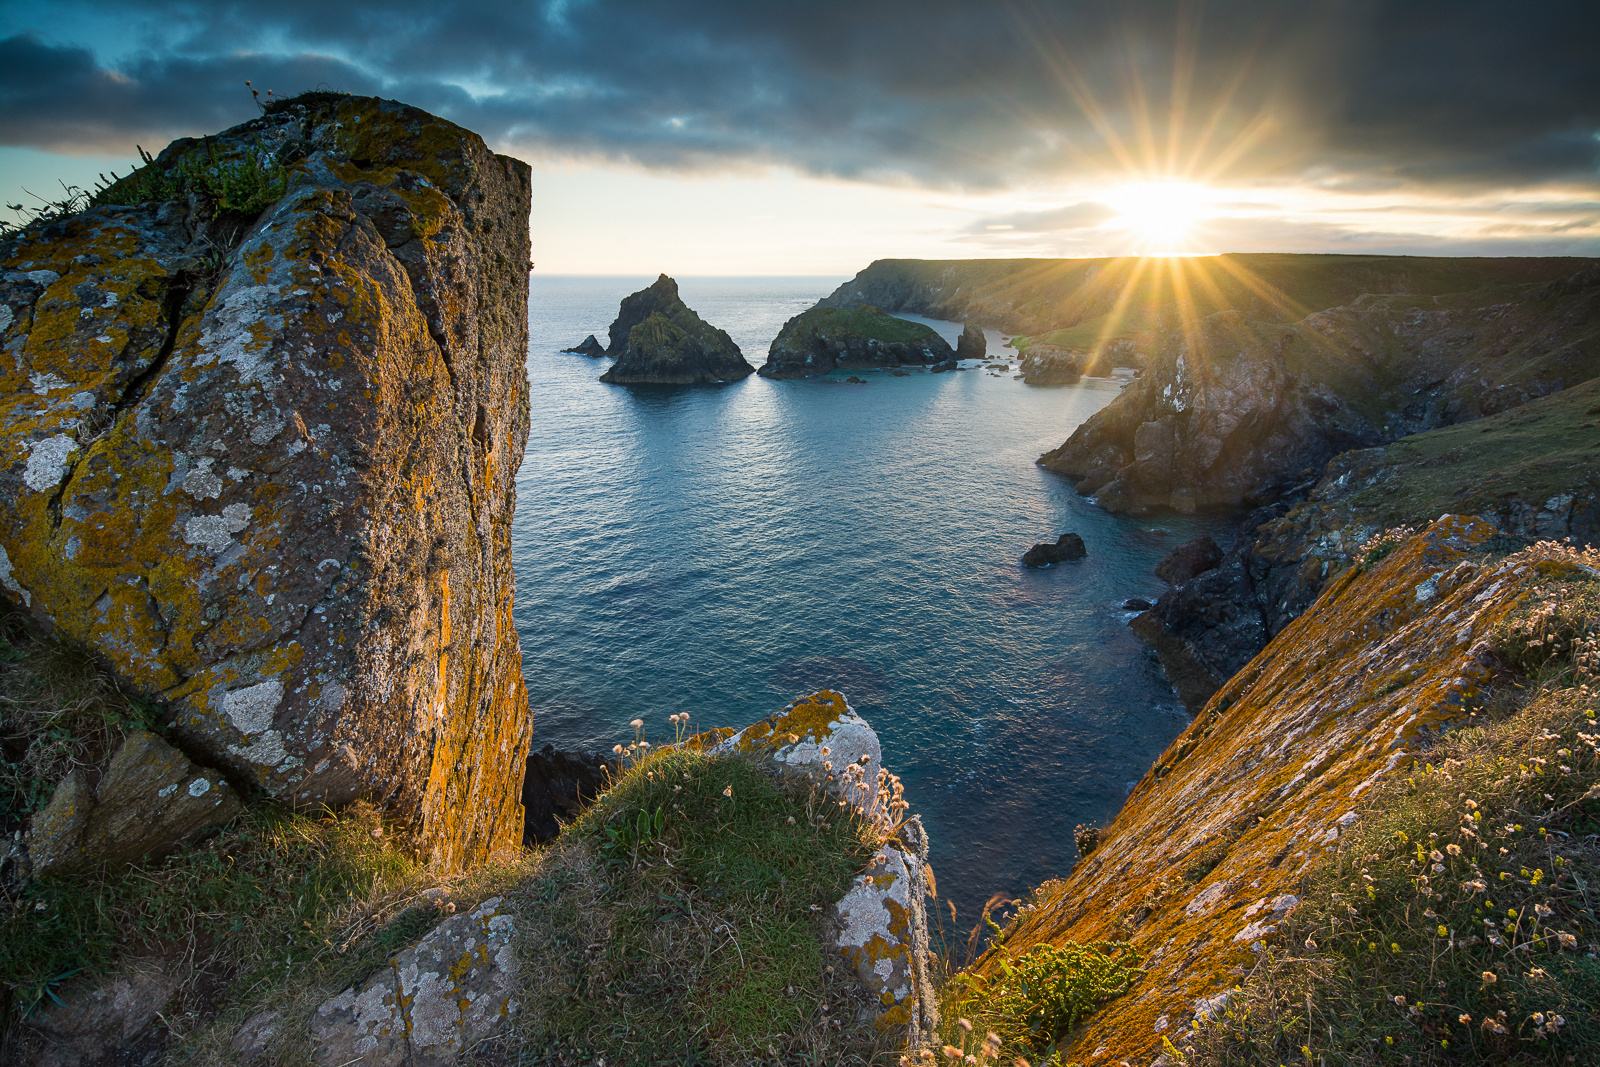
<point x="973" y="345"/>
<point x="658" y="340"/>
<point x="825" y="339"/>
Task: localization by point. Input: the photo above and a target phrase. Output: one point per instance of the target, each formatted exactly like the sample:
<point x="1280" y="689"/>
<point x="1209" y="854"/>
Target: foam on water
<point x="721" y="549"/>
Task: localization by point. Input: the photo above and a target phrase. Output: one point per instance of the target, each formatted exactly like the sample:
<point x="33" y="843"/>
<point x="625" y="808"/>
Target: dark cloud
<point x="976" y="94"/>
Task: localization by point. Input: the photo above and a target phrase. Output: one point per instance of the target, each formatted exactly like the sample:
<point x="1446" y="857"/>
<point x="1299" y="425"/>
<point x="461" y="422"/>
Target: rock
<point x="589" y="346"/>
<point x="944" y="365"/>
<point x="853" y="380"/>
<point x="272" y="488"/>
<point x="556" y="787"/>
<point x="973" y="345"/>
<point x="1136" y="603"/>
<point x="1068" y="546"/>
<point x="1045" y="364"/>
<point x="880" y="925"/>
<point x="826" y="339"/>
<point x="1189" y="559"/>
<point x="150" y="799"/>
<point x="453" y="990"/>
<point x="107" y="1022"/>
<point x="898" y="373"/>
<point x="1235" y="411"/>
<point x="255" y="1036"/>
<point x="657" y="339"/>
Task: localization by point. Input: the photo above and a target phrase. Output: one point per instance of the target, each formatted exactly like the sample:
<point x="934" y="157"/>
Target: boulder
<point x="261" y="457"/>
<point x="973" y="345"/>
<point x="150" y="799"/>
<point x="589" y="346"/>
<point x="1189" y="559"/>
<point x="825" y="339"/>
<point x="657" y="339"/>
<point x="452" y="991"/>
<point x="1068" y="546"/>
<point x="107" y="1022"/>
<point x="944" y="365"/>
<point x="1136" y="603"/>
<point x="556" y="787"/>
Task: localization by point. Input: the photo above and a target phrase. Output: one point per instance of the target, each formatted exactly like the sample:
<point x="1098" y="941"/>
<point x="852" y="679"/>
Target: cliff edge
<point x="263" y="405"/>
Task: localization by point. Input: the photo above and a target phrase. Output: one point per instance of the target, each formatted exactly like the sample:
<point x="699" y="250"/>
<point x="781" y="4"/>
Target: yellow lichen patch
<point x="1205" y="856"/>
<point x="811" y="718"/>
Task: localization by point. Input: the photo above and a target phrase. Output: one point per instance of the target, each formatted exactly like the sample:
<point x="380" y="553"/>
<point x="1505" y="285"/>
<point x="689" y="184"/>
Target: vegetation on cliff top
<point x="828" y="323"/>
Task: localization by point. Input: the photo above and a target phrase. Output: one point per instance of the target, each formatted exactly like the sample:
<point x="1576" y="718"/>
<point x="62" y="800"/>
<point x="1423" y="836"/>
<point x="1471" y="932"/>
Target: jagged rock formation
<point x="827" y="339"/>
<point x="263" y="464"/>
<point x="657" y="339"/>
<point x="1208" y="850"/>
<point x="1233" y="411"/>
<point x="556" y="787"/>
<point x="589" y="346"/>
<point x="1189" y="559"/>
<point x="1530" y="472"/>
<point x="973" y="345"/>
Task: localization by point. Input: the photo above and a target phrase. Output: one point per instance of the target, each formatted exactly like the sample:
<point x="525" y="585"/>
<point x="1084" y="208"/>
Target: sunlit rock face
<point x="264" y="466"/>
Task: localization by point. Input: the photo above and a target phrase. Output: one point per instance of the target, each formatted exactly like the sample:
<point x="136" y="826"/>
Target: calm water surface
<point x="721" y="549"/>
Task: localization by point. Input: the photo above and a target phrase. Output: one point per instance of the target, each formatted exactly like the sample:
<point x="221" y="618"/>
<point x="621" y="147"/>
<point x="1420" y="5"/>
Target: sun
<point x="1160" y="215"/>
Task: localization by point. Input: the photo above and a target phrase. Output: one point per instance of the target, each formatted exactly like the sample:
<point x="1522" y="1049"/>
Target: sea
<point x="721" y="549"/>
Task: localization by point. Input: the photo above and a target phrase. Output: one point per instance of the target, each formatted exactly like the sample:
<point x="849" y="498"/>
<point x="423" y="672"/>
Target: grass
<point x="868" y="322"/>
<point x="679" y="920"/>
<point x="58" y="711"/>
<point x="1459" y="922"/>
<point x="241" y="180"/>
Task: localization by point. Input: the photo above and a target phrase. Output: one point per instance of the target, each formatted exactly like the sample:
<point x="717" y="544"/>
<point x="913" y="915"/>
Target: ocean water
<point x="722" y="549"/>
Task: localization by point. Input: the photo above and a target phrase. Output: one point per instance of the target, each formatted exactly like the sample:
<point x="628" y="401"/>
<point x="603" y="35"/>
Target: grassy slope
<point x="868" y="322"/>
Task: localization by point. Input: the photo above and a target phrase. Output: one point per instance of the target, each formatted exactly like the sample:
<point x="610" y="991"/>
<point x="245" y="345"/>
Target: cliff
<point x="1208" y="855"/>
<point x="263" y="406"/>
<point x="658" y="339"/>
<point x="1530" y="472"/>
<point x="1232" y="411"/>
<point x="824" y="339"/>
<point x="1100" y="300"/>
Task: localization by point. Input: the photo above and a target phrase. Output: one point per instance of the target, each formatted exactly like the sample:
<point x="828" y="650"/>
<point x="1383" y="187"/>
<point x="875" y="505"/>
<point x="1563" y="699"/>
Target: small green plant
<point x="240" y="182"/>
<point x="627" y="839"/>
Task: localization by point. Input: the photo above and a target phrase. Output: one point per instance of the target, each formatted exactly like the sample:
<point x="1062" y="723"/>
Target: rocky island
<point x="825" y="339"/>
<point x="658" y="339"/>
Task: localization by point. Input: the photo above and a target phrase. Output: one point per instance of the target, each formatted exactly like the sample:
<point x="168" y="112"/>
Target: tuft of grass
<point x="58" y="711"/>
<point x="679" y="920"/>
<point x="240" y="181"/>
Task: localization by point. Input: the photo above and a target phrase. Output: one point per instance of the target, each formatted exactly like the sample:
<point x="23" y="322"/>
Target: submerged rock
<point x="1068" y="546"/>
<point x="826" y="339"/>
<point x="589" y="346"/>
<point x="272" y="487"/>
<point x="657" y="339"/>
<point x="973" y="345"/>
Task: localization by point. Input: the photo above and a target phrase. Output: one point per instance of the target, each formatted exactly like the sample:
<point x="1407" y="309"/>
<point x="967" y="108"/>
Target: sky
<point x="789" y="138"/>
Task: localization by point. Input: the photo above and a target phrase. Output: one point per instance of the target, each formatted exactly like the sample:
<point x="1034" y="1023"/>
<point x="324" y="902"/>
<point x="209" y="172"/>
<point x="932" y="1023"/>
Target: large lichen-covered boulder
<point x="658" y="339"/>
<point x="262" y="463"/>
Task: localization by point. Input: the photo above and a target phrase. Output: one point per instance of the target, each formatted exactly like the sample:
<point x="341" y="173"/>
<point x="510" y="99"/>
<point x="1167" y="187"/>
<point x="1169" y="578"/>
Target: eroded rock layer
<point x="263" y="464"/>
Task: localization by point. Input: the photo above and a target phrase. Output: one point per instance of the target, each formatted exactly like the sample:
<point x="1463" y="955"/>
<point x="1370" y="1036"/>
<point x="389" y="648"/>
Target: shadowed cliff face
<point x="1207" y="854"/>
<point x="264" y="467"/>
<point x="1232" y="411"/>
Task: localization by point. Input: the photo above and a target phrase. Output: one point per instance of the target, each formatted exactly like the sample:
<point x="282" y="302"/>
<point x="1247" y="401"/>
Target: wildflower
<point x="1490" y="978"/>
<point x="637" y="724"/>
<point x="951" y="1053"/>
<point x="646" y="744"/>
<point x="1492" y="1026"/>
<point x="677" y="789"/>
<point x="1436" y="856"/>
<point x="1454" y="850"/>
<point x="1543" y="912"/>
<point x="1400" y="1002"/>
<point x="1539" y="972"/>
<point x="1472" y="805"/>
<point x="791" y="820"/>
<point x="1443" y="932"/>
<point x="991" y="1044"/>
<point x="616" y="750"/>
<point x="966" y="1027"/>
<point x="826" y="751"/>
<point x="1464" y="1019"/>
<point x="1568" y="941"/>
<point x="727" y="791"/>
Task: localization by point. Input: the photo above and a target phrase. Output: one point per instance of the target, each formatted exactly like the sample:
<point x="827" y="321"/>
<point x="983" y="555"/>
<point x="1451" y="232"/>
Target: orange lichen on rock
<point x="1207" y="853"/>
<point x="273" y="487"/>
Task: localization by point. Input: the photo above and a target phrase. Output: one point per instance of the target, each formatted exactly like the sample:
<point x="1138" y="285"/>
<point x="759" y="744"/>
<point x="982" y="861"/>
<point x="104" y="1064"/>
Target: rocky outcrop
<point x="657" y="339"/>
<point x="1046" y="364"/>
<point x="150" y="799"/>
<point x="557" y="786"/>
<point x="973" y="345"/>
<point x="1208" y="851"/>
<point x="1528" y="472"/>
<point x="1234" y="411"/>
<point x="1189" y="559"/>
<point x="589" y="346"/>
<point x="262" y="462"/>
<point x="826" y="339"/>
<point x="1067" y="547"/>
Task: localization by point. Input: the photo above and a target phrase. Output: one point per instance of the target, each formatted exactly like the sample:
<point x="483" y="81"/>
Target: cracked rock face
<point x="451" y="991"/>
<point x="264" y="466"/>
